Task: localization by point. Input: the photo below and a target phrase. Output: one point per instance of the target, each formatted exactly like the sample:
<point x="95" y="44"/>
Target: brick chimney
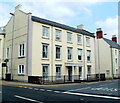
<point x="99" y="33"/>
<point x="114" y="38"/>
<point x="80" y="26"/>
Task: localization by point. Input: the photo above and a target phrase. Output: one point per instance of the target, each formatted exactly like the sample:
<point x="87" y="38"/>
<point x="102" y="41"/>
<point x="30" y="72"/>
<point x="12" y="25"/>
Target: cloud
<point x="110" y="26"/>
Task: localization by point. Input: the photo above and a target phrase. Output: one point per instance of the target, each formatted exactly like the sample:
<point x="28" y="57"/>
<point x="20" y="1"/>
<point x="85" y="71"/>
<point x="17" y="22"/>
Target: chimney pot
<point x="114" y="38"/>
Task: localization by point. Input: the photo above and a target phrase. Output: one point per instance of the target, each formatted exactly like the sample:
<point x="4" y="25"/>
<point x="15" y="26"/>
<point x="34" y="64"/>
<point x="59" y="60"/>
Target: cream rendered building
<point x="2" y="33"/>
<point x="107" y="53"/>
<point x="43" y="48"/>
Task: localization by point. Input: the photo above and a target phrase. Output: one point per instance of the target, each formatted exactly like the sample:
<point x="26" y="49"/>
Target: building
<point x="107" y="53"/>
<point x="2" y="33"/>
<point x="38" y="47"/>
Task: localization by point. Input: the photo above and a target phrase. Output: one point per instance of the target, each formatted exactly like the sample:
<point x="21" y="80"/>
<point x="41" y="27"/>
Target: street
<point x="107" y="91"/>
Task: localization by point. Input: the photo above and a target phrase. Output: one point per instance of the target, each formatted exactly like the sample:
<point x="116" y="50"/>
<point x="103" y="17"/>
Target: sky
<point x="92" y="14"/>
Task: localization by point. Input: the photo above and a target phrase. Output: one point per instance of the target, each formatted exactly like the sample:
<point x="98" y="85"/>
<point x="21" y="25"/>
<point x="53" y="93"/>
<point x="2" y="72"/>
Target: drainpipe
<point x="111" y="62"/>
<point x="12" y="43"/>
<point x="84" y="55"/>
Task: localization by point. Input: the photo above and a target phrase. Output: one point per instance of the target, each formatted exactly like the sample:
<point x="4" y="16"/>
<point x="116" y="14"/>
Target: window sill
<point x="79" y="43"/>
<point x="87" y="45"/>
<point x="21" y="57"/>
<point x="80" y="60"/>
<point x="88" y="61"/>
<point x="69" y="42"/>
<point x="45" y="37"/>
<point x="45" y="58"/>
<point x="58" y="59"/>
<point x="21" y="74"/>
<point x="70" y="60"/>
<point x="58" y="40"/>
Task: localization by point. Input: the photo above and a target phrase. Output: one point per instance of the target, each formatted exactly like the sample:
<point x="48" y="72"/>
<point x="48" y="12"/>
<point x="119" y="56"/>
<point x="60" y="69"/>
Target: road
<point x="106" y="92"/>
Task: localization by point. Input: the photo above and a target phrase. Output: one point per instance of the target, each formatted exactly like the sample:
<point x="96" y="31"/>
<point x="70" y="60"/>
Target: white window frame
<point x="58" y="53"/>
<point x="45" y="74"/>
<point x="47" y="45"/>
<point x="45" y="32"/>
<point x="87" y="41"/>
<point x="69" y="37"/>
<point x="58" y="34"/>
<point x="79" y="54"/>
<point x="70" y="53"/>
<point x="58" y="74"/>
<point x="79" y="39"/>
<point x="21" y="51"/>
<point x="89" y="55"/>
<point x="7" y="52"/>
<point x="22" y="71"/>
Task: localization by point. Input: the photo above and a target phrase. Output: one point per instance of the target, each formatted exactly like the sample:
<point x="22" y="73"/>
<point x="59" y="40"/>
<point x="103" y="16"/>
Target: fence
<point x="96" y="77"/>
<point x="116" y="76"/>
<point x="53" y="79"/>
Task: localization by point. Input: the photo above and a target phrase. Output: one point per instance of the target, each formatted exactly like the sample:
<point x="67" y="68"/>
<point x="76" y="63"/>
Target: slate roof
<point x="112" y="44"/>
<point x="52" y="23"/>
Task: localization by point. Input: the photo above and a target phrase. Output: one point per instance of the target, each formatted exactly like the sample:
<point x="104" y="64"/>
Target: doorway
<point x="70" y="73"/>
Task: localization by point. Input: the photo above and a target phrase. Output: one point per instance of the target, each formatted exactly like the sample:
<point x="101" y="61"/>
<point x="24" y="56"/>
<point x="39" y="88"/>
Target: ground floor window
<point x="80" y="72"/>
<point x="89" y="69"/>
<point x="45" y="71"/>
<point x="58" y="71"/>
<point x="108" y="73"/>
<point x="20" y="69"/>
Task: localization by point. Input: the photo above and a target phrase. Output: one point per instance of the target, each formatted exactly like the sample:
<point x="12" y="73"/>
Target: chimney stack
<point x="80" y="26"/>
<point x="114" y="38"/>
<point x="18" y="7"/>
<point x="99" y="33"/>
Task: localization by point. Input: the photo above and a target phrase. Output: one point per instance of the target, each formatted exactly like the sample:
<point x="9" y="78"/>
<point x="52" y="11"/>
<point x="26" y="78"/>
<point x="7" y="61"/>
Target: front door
<point x="70" y="73"/>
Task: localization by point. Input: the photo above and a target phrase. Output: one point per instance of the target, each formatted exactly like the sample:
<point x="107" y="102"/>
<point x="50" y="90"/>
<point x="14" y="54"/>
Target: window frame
<point x="87" y="42"/>
<point x="44" y="28"/>
<point x="70" y="48"/>
<point x="89" y="72"/>
<point x="47" y="51"/>
<point x="22" y="71"/>
<point x="81" y="54"/>
<point x="69" y="36"/>
<point x="7" y="52"/>
<point x="57" y="46"/>
<point x="58" y="33"/>
<point x="45" y="77"/>
<point x="21" y="50"/>
<point x="89" y="56"/>
<point x="79" y="36"/>
<point x="58" y="75"/>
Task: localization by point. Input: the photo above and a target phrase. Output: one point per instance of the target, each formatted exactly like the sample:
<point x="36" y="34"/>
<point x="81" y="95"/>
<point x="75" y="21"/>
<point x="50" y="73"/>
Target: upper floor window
<point x="69" y="53"/>
<point x="115" y="52"/>
<point x="79" y="54"/>
<point x="58" y="34"/>
<point x="7" y="53"/>
<point x="21" y="50"/>
<point x="45" y="32"/>
<point x="87" y="41"/>
<point x="88" y="55"/>
<point x="21" y="69"/>
<point x="45" y="50"/>
<point x="69" y="37"/>
<point x="58" y="52"/>
<point x="79" y="39"/>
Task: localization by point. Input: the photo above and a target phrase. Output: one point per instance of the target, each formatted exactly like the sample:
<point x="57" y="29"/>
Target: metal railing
<point x="53" y="79"/>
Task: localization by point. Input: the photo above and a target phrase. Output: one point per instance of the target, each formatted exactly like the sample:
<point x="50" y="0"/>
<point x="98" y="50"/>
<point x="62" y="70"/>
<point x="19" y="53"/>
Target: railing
<point x="96" y="77"/>
<point x="53" y="79"/>
<point x="116" y="76"/>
